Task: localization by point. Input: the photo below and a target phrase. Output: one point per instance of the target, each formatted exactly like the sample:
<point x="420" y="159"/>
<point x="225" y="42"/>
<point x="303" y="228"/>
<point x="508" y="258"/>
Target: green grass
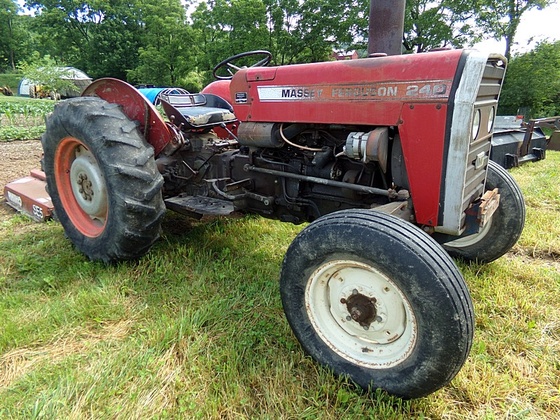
<point x="196" y="328"/>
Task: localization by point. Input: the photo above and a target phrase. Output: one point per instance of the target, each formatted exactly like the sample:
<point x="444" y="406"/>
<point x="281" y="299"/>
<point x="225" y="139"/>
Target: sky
<point x="535" y="26"/>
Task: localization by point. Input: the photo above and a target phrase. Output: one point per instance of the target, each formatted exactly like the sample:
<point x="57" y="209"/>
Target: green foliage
<point x="532" y="83"/>
<point x="168" y="45"/>
<point x="25" y="107"/>
<point x="101" y="38"/>
<point x="227" y="27"/>
<point x="23" y="118"/>
<point x="309" y="32"/>
<point x="17" y="38"/>
<point x="44" y="72"/>
<point x="193" y="81"/>
<point x="21" y="133"/>
<point x="155" y="42"/>
<point x="11" y="80"/>
<point x="10" y="33"/>
<point x="294" y="32"/>
<point x="430" y="24"/>
<point x="499" y="19"/>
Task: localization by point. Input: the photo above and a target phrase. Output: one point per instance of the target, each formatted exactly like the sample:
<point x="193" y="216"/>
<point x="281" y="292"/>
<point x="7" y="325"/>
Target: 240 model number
<point x="427" y="90"/>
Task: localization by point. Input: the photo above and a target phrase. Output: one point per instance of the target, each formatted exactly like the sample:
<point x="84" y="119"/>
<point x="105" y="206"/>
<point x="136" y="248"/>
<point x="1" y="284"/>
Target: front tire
<point x="377" y="300"/>
<point x="503" y="229"/>
<point x="102" y="179"/>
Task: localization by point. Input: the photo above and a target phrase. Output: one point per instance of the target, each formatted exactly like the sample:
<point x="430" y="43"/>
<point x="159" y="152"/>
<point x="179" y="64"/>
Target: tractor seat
<point x="197" y="111"/>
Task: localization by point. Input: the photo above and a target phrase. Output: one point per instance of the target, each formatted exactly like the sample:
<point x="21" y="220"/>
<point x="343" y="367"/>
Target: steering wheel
<point x="228" y="62"/>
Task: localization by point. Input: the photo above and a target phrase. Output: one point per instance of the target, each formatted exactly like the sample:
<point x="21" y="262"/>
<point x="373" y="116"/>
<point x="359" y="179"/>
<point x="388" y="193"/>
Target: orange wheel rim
<point x="81" y="187"/>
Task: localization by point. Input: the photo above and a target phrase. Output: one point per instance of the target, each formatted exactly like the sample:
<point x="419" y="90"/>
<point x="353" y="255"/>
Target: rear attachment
<point x="29" y="196"/>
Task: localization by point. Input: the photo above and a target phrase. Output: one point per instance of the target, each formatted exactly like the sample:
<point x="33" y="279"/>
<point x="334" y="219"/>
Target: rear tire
<point x="376" y="299"/>
<point x="103" y="180"/>
<point x="501" y="232"/>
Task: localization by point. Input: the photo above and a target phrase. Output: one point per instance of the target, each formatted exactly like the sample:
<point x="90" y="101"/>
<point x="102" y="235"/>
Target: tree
<point x="8" y="13"/>
<point x="435" y="24"/>
<point x="226" y="27"/>
<point x="327" y="25"/>
<point x="293" y="31"/>
<point x="499" y="19"/>
<point x="167" y="46"/>
<point x="532" y="82"/>
<point x="98" y="36"/>
<point x="53" y="79"/>
<point x="15" y="38"/>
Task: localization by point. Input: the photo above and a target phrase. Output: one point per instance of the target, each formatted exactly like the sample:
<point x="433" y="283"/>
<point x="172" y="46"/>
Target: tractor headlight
<point x="476" y="124"/>
<point x="491" y="118"/>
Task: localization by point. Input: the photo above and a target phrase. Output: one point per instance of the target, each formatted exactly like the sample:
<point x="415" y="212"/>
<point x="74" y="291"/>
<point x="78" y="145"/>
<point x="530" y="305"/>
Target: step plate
<point x="199" y="206"/>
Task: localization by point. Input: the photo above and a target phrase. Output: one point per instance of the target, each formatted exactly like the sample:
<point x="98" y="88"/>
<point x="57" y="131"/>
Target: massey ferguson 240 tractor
<point x="387" y="158"/>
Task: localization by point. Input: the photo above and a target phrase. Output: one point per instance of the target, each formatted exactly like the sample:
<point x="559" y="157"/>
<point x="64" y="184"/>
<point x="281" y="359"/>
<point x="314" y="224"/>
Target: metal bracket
<point x="480" y="212"/>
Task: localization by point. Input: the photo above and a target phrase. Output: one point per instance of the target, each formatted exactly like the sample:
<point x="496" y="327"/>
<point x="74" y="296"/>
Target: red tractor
<point x="386" y="157"/>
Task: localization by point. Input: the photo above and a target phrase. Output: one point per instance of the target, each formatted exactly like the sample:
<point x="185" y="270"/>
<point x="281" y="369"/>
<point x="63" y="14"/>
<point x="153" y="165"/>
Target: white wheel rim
<point x="473" y="239"/>
<point x="88" y="184"/>
<point x="392" y="330"/>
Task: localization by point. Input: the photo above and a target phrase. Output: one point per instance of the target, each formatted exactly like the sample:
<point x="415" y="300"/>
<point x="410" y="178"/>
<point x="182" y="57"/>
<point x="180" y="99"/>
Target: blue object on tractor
<point x="153" y="94"/>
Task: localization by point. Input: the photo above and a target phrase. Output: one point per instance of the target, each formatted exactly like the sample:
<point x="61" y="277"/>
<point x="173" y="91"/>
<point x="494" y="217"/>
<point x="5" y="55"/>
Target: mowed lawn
<point x="196" y="329"/>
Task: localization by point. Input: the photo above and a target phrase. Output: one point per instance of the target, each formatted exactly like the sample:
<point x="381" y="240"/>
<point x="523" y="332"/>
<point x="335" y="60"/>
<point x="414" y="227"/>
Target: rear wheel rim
<point x="81" y="187"/>
<point x="360" y="314"/>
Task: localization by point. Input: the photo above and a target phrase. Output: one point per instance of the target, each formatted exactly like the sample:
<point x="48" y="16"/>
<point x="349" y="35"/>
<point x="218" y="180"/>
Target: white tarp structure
<point x="80" y="79"/>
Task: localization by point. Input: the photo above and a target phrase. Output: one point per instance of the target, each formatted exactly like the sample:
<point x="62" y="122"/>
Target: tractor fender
<point x="136" y="107"/>
<point x="221" y="88"/>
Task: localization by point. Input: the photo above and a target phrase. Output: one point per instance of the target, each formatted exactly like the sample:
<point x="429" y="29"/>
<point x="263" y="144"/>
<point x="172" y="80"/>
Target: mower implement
<point x="29" y="196"/>
<point x="516" y="142"/>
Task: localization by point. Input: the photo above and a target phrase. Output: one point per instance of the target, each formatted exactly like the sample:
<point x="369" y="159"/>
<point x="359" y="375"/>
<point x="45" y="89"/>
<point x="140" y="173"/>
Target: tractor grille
<point x="479" y="149"/>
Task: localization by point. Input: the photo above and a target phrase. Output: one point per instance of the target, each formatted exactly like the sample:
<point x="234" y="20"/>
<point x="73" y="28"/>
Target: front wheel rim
<point x="360" y="314"/>
<point x="81" y="187"/>
<point x="473" y="239"/>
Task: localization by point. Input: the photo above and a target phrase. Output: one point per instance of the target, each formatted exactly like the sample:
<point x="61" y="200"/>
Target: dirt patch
<point x="531" y="255"/>
<point x="18" y="158"/>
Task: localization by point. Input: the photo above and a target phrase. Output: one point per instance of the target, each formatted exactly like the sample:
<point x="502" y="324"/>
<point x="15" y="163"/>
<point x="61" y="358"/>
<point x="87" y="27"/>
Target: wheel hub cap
<point x="360" y="314"/>
<point x="88" y="184"/>
<point x="361" y="308"/>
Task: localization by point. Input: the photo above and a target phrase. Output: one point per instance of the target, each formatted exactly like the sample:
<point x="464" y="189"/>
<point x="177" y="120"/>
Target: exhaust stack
<point x="386" y="26"/>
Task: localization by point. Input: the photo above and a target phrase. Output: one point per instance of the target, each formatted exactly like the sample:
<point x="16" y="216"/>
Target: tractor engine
<point x="294" y="172"/>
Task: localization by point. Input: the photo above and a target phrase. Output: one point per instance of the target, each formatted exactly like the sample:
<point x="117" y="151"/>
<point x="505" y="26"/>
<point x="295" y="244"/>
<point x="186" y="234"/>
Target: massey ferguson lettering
<point x="300" y="93"/>
<point x="365" y="91"/>
<point x="425" y="90"/>
<point x="289" y="93"/>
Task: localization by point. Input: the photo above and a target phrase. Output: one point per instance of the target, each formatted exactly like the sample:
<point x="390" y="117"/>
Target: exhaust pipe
<point x="386" y="26"/>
